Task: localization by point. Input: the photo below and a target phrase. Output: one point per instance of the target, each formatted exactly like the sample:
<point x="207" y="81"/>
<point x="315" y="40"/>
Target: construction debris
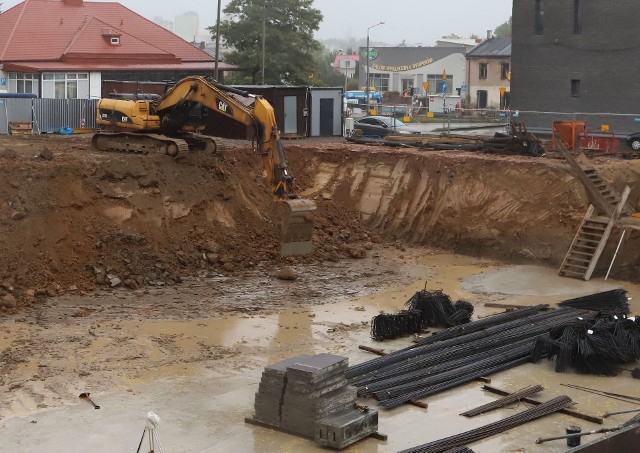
<point x="308" y="396"/>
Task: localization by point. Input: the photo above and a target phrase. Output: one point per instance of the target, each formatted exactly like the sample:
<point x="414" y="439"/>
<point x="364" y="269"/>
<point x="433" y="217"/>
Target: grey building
<point x="577" y="59"/>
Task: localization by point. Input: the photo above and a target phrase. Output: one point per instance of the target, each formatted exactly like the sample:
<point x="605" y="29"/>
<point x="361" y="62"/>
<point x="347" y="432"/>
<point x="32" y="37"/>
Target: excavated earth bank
<point x="73" y="219"/>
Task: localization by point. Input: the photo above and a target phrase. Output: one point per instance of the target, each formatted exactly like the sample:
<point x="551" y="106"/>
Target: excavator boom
<point x="169" y="125"/>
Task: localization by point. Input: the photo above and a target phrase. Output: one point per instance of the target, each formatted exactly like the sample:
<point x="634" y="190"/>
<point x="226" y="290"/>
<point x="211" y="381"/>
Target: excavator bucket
<point x="296" y="227"/>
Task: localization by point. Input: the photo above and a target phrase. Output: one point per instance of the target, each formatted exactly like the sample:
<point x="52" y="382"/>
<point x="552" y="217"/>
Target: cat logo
<point x="224" y="107"/>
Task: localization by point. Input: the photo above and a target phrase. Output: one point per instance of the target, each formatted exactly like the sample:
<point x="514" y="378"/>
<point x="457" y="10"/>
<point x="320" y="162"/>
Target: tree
<point x="504" y="30"/>
<point x="290" y="48"/>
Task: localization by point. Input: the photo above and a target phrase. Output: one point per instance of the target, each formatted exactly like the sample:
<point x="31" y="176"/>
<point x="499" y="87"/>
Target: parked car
<point x="381" y="126"/>
<point x="633" y="141"/>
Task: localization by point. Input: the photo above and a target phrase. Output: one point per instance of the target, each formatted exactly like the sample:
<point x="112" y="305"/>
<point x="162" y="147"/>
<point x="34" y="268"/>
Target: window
<point x="435" y="83"/>
<point x="504" y="71"/>
<point x="539" y="27"/>
<point x="575" y="87"/>
<point x="577" y="16"/>
<point x="115" y="41"/>
<point x="65" y="85"/>
<point x="482" y="71"/>
<point x="22" y="82"/>
<point x="379" y="81"/>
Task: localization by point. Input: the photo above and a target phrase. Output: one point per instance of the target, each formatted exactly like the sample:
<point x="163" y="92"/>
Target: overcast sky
<point x="418" y="22"/>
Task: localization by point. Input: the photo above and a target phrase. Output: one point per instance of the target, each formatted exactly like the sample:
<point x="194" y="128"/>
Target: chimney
<point x="73" y="2"/>
<point x="489" y="34"/>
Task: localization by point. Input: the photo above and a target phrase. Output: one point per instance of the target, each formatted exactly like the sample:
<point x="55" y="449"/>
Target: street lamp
<point x="215" y="71"/>
<point x="367" y="81"/>
<point x="346" y="69"/>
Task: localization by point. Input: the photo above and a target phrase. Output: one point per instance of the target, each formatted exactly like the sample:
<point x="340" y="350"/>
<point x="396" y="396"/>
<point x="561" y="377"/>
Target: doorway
<point x="482" y="99"/>
<point x="326" y="117"/>
<point x="290" y="114"/>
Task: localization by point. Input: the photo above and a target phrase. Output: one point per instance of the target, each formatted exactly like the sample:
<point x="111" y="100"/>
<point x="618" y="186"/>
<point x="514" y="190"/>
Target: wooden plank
<point x="573" y="413"/>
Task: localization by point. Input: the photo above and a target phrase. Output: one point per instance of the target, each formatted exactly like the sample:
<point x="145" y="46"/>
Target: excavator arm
<point x="259" y="115"/>
<point x="168" y="126"/>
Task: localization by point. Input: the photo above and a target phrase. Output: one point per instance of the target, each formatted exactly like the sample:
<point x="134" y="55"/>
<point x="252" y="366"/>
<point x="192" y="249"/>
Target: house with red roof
<point x="67" y="48"/>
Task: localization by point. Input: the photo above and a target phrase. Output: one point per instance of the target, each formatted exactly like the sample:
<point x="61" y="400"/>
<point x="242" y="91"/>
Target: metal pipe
<point x="613" y="260"/>
<point x="628" y="411"/>
<point x="541" y="440"/>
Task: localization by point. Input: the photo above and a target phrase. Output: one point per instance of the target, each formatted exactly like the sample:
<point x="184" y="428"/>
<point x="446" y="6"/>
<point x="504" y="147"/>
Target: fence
<point x="48" y="115"/>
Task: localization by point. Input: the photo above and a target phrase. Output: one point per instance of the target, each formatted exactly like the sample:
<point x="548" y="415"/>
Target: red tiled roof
<point x="73" y="36"/>
<point x="109" y="66"/>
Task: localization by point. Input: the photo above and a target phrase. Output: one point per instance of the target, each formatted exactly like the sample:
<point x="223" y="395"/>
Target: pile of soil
<point x="73" y="219"/>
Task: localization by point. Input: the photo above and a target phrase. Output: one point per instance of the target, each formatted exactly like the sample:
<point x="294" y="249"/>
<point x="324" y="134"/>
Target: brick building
<point x="578" y="57"/>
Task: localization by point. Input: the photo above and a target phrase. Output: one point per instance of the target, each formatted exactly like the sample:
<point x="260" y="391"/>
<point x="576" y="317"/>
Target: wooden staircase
<point x="602" y="194"/>
<point x="590" y="241"/>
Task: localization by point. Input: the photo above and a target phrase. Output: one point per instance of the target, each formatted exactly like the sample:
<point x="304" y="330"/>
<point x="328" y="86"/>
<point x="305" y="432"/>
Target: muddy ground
<point x="136" y="276"/>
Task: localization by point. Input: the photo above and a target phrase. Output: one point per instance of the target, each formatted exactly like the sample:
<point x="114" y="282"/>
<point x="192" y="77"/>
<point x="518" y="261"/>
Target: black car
<point x="633" y="141"/>
<point x="381" y="126"/>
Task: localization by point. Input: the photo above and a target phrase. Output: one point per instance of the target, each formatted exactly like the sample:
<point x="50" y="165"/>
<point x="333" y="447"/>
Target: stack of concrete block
<point x="309" y="396"/>
<point x="271" y="390"/>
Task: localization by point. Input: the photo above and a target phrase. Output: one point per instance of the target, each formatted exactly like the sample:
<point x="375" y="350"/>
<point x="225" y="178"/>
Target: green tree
<point x="504" y="30"/>
<point x="290" y="48"/>
<point x="324" y="74"/>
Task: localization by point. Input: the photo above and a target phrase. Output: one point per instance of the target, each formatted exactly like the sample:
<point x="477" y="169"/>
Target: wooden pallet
<point x="21" y="128"/>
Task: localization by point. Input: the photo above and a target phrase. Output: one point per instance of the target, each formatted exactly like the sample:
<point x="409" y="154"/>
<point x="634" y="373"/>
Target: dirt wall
<point x="72" y="219"/>
<point x="514" y="208"/>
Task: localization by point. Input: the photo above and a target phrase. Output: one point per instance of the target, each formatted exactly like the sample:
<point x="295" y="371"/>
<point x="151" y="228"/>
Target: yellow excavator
<point x="171" y="124"/>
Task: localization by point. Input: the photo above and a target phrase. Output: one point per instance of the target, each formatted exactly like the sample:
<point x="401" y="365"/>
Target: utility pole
<point x="264" y="32"/>
<point x="367" y="81"/>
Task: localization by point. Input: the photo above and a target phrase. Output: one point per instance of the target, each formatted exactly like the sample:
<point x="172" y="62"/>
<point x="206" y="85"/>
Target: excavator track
<point x="139" y="143"/>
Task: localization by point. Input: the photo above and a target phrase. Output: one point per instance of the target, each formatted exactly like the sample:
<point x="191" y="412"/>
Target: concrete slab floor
<point x="203" y="404"/>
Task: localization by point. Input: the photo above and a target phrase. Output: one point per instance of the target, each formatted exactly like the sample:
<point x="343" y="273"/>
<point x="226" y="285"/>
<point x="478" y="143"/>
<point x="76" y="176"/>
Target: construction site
<point x="155" y="283"/>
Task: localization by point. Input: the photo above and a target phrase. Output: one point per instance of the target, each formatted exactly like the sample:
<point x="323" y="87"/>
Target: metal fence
<point x="48" y="115"/>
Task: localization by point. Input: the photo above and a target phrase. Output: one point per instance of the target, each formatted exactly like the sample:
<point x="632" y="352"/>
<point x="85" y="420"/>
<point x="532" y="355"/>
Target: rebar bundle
<point x="481" y="324"/>
<point x="505" y="401"/>
<point x="389" y="326"/>
<point x="488" y="338"/>
<point x="460" y="450"/>
<point x="491" y="429"/>
<point x="425" y="370"/>
<point x="438" y="310"/>
<point x="438" y="363"/>
<point x="613" y="302"/>
<point x="597" y="346"/>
